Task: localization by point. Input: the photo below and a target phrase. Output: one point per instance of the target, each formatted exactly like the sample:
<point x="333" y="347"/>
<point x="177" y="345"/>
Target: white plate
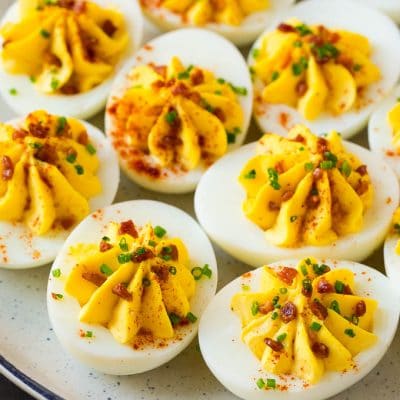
<point x="82" y="105"/>
<point x="20" y="249"/>
<point x="384" y="38"/>
<point x="220" y="330"/>
<point x="219" y="210"/>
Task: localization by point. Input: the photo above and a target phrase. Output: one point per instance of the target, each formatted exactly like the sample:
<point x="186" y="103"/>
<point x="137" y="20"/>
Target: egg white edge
<point x="220" y="330"/>
<point x="218" y="208"/>
<point x="21" y="244"/>
<point x="384" y="54"/>
<point x="391" y="258"/>
<point x="241" y="35"/>
<point x="380" y="132"/>
<point x="82" y="105"/>
<point x="160" y="51"/>
<point x="122" y="359"/>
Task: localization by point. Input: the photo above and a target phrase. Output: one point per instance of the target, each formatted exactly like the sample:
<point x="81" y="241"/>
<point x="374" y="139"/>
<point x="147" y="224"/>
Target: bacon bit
<point x="195" y="97"/>
<point x="388" y="200"/>
<point x="274" y="344"/>
<point x="319" y="310"/>
<point x="287" y="195"/>
<point x="148" y="47"/>
<point x="313" y="201"/>
<point x="121" y="291"/>
<point x="286" y="28"/>
<point x="105" y="246"/>
<point x="287" y="275"/>
<point x="159" y="69"/>
<point x="280" y="168"/>
<point x="83" y="138"/>
<point x="273" y="206"/>
<point x="82" y="333"/>
<point x="94" y="277"/>
<point x="146" y="255"/>
<point x="288" y="312"/>
<point x="128" y="227"/>
<point x="390" y="153"/>
<point x="109" y="28"/>
<point x="71" y="152"/>
<point x="322" y="145"/>
<point x="361" y="187"/>
<point x="56" y="296"/>
<point x="324" y="286"/>
<point x="8" y="168"/>
<point x="219" y="113"/>
<point x="360" y="309"/>
<point x="320" y="350"/>
<point x="171" y="251"/>
<point x="283" y="119"/>
<point x="299" y="138"/>
<point x="180" y="89"/>
<point x="317" y="174"/>
<point x="161" y="271"/>
<point x="315" y="39"/>
<point x="347" y="290"/>
<point x="141" y="166"/>
<point x="266" y="307"/>
<point x="66" y="4"/>
<point x="46" y="154"/>
<point x="69" y="89"/>
<point x="301" y="88"/>
<point x="20" y="134"/>
<point x="362" y="170"/>
<point x="38" y="130"/>
<point x="67" y="222"/>
<point x="345" y="61"/>
<point x="88" y="45"/>
<point x="197" y="77"/>
<point x="246" y="275"/>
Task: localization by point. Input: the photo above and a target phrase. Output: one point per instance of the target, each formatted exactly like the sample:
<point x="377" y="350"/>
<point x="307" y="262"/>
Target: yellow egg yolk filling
<point x="396" y="228"/>
<point x="394" y="122"/>
<point x="304" y="189"/>
<point x="176" y="116"/>
<point x="136" y="281"/>
<point x="201" y="12"/>
<point x="306" y="321"/>
<point x="314" y="69"/>
<point x="47" y="172"/>
<point x="64" y="46"/>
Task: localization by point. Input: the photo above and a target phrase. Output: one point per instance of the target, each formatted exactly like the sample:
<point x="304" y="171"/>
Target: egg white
<point x="218" y="205"/>
<point x="103" y="352"/>
<point x="241" y="35"/>
<point x="384" y="38"/>
<point x="83" y="105"/>
<point x="391" y="258"/>
<point x="235" y="366"/>
<point x="389" y="7"/>
<point x="22" y="249"/>
<point x="218" y="56"/>
<point x="380" y="132"/>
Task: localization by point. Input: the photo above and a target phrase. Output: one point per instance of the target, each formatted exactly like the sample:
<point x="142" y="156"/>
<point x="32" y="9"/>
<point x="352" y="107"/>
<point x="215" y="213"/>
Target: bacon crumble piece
<point x="360" y="309"/>
<point x="324" y="286"/>
<point x="320" y="350"/>
<point x="287" y="274"/>
<point x="128" y="227"/>
<point x="266" y="307"/>
<point x="8" y="168"/>
<point x="274" y="344"/>
<point x="141" y="254"/>
<point x="121" y="291"/>
<point x="318" y="309"/>
<point x="94" y="277"/>
<point x="288" y="312"/>
<point x="105" y="246"/>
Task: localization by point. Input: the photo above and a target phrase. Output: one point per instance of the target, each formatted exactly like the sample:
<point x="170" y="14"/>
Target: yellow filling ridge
<point x="393" y="118"/>
<point x="137" y="281"/>
<point x="64" y="46"/>
<point x="304" y="189"/>
<point x="314" y="69"/>
<point x="180" y="116"/>
<point x="306" y="321"/>
<point x="47" y="172"/>
<point x="201" y="12"/>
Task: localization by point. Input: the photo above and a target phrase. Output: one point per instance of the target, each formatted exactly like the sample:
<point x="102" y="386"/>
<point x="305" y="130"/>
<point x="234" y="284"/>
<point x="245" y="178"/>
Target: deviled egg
<point x="65" y="53"/>
<point x="391" y="249"/>
<point x="174" y="110"/>
<point x="295" y="196"/>
<point x="318" y="65"/>
<point x="299" y="330"/>
<point x="240" y="21"/>
<point x="384" y="131"/>
<point x="131" y="282"/>
<point x="54" y="172"/>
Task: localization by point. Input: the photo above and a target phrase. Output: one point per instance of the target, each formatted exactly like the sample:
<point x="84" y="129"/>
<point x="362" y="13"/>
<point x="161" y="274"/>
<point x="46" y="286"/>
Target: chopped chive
<point x="105" y="239"/>
<point x="36" y="145"/>
<point x="230" y="137"/>
<point x="71" y="158"/>
<point x="283" y="290"/>
<point x="297" y="43"/>
<point x="32" y="79"/>
<point x="175" y="319"/>
<point x="281" y="337"/>
<point x="345" y="168"/>
<point x="251" y="174"/>
<point x="260" y="383"/>
<point x="172" y="270"/>
<point x="13" y="92"/>
<point x="315" y="326"/>
<point x="293" y="218"/>
<point x="124" y="258"/>
<point x="274" y="315"/>
<point x="245" y="288"/>
<point x="273" y="178"/>
<point x="303" y="30"/>
<point x="320" y="269"/>
<point x="165" y="257"/>
<point x="221" y="80"/>
<point x="339" y="287"/>
<point x="274" y="76"/>
<point x="56" y="273"/>
<point x="206" y="271"/>
<point x="309" y="166"/>
<point x="255" y="53"/>
<point x="146" y="282"/>
<point x="254" y="308"/>
<point x="355" y="320"/>
<point x="89" y="334"/>
<point x="218" y="92"/>
<point x="159" y="231"/>
<point x="44" y="33"/>
<point x="349" y="332"/>
<point x="79" y="169"/>
<point x="241" y="91"/>
<point x="326" y="164"/>
<point x="90" y="149"/>
<point x="275" y="300"/>
<point x="140" y="250"/>
<point x="106" y="270"/>
<point x="357" y="67"/>
<point x="335" y="306"/>
<point x="304" y="270"/>
<point x="57" y="296"/>
<point x="191" y="317"/>
<point x="54" y="84"/>
<point x="171" y="116"/>
<point x="152" y="243"/>
<point x="123" y="245"/>
<point x="61" y="124"/>
<point x="271" y="383"/>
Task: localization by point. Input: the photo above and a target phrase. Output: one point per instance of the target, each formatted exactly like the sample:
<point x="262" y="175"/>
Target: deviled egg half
<point x="390" y="7"/>
<point x="129" y="286"/>
<point x="178" y="106"/>
<point x="65" y="53"/>
<point x="319" y="66"/>
<point x="391" y="249"/>
<point x="240" y="21"/>
<point x="303" y="330"/>
<point x="384" y="131"/>
<point x="54" y="172"/>
<point x="295" y="196"/>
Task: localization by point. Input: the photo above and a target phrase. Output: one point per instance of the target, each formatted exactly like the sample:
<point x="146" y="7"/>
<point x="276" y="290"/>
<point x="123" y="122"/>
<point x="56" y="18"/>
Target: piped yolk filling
<point x="306" y="321"/>
<point x="136" y="281"/>
<point x="64" y="46"/>
<point x="175" y="117"/>
<point x="304" y="189"/>
<point x="394" y="122"/>
<point x="47" y="172"/>
<point x="314" y="69"/>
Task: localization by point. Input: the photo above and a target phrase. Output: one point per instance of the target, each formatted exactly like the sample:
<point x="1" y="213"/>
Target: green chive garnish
<point x="191" y="317"/>
<point x="339" y="287"/>
<point x="44" y="33"/>
<point x="254" y="308"/>
<point x="79" y="169"/>
<point x="315" y="326"/>
<point x="274" y="315"/>
<point x="197" y="273"/>
<point x="90" y="149"/>
<point x="152" y="243"/>
<point x="251" y="174"/>
<point x="260" y="383"/>
<point x="171" y="116"/>
<point x="281" y="337"/>
<point x="283" y="290"/>
<point x="159" y="231"/>
<point x="349" y="332"/>
<point x="123" y="245"/>
<point x="335" y="306"/>
<point x="124" y="258"/>
<point x="175" y="319"/>
<point x="56" y="273"/>
<point x="172" y="270"/>
<point x="105" y="269"/>
<point x="271" y="383"/>
<point x="13" y="92"/>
